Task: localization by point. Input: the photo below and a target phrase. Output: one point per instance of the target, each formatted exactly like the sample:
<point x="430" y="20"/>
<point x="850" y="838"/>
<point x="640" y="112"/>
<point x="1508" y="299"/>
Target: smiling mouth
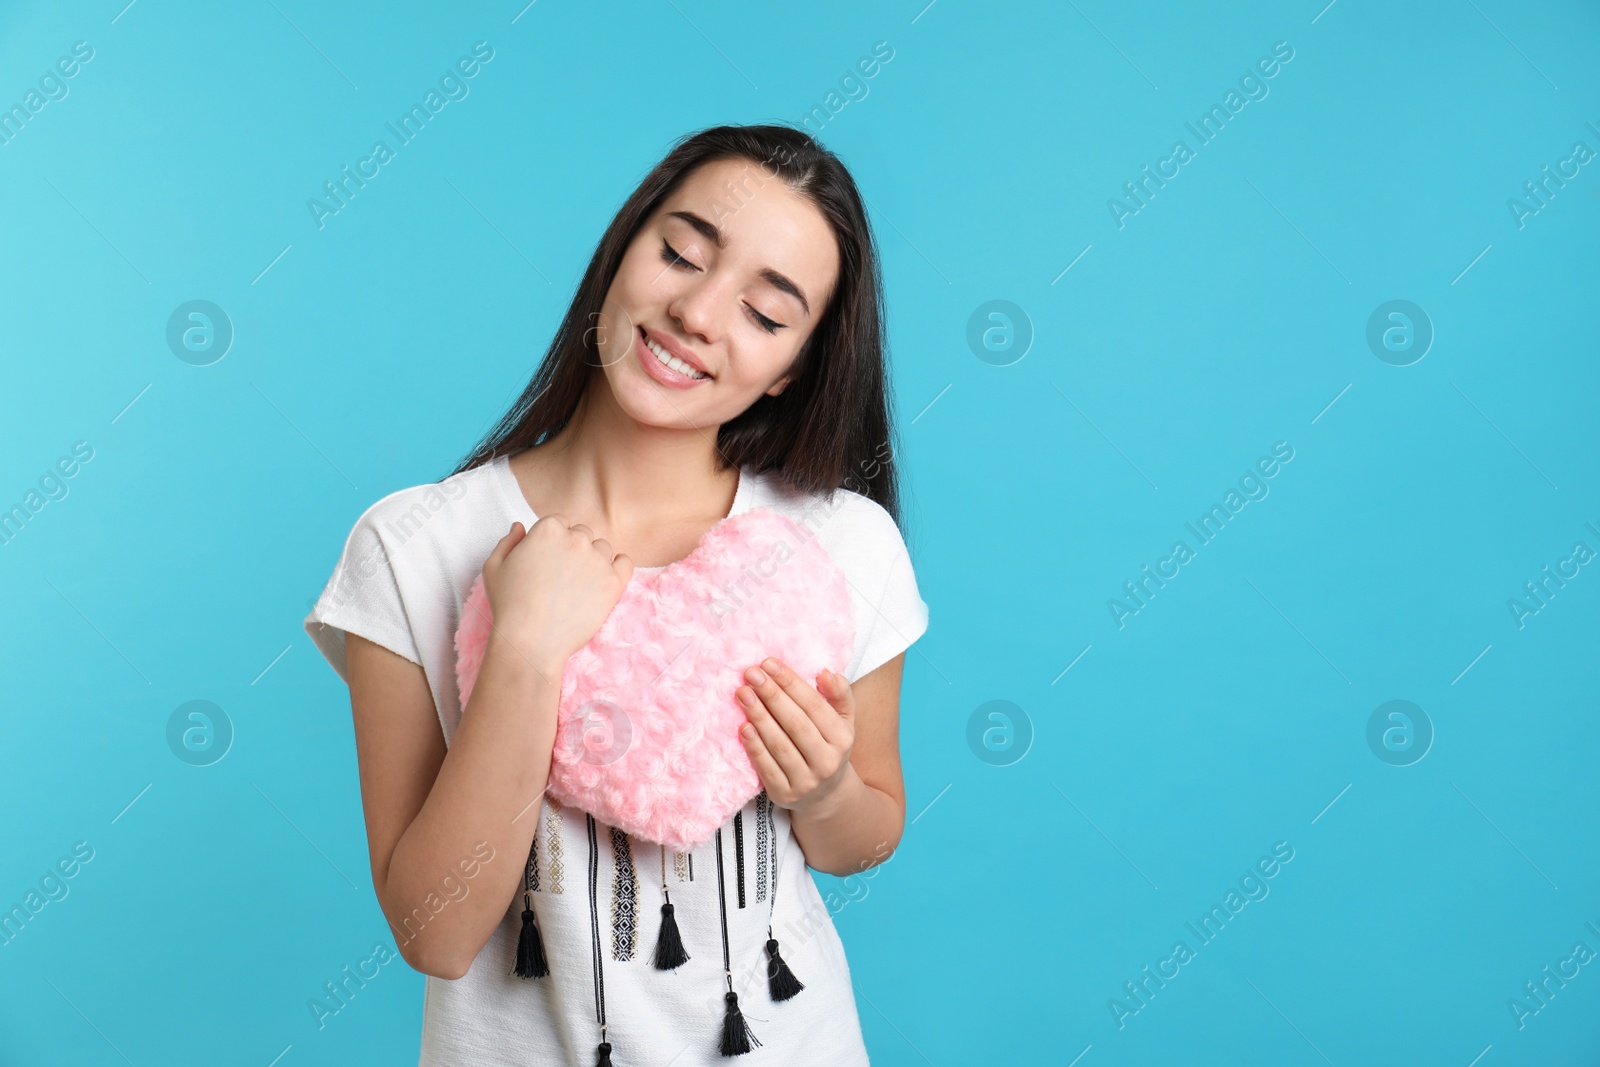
<point x="667" y="359"/>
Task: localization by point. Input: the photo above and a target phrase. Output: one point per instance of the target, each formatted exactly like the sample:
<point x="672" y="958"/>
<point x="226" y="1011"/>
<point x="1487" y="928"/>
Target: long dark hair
<point x="830" y="426"/>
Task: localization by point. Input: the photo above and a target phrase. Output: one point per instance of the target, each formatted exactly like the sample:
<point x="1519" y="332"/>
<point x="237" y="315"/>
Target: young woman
<point x="724" y="351"/>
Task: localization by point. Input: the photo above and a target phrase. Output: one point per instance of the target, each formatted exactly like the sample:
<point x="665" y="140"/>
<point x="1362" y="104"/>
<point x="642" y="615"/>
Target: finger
<point x="831" y="711"/>
<point x="767" y="769"/>
<point x="794" y="720"/>
<point x="504" y="546"/>
<point x="825" y="719"/>
<point x="772" y="735"/>
<point x="841" y="695"/>
<point x="836" y="720"/>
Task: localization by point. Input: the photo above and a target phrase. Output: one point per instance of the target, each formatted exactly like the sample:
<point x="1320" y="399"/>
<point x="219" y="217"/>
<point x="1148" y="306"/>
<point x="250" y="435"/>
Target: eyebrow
<point x="709" y="231"/>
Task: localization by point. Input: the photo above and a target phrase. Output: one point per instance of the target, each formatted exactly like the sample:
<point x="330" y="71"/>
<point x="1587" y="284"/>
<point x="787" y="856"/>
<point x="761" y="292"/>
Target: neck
<point x="610" y="465"/>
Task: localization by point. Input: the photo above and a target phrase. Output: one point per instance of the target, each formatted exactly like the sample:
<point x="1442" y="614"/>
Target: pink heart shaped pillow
<point x="647" y="728"/>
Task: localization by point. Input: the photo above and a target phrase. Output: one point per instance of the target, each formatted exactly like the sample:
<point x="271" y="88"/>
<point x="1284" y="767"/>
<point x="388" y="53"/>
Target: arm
<point x="434" y="814"/>
<point x="432" y="810"/>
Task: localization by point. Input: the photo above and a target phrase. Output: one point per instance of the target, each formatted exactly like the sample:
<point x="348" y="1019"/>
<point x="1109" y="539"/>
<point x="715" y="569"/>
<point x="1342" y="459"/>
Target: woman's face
<point x="729" y="275"/>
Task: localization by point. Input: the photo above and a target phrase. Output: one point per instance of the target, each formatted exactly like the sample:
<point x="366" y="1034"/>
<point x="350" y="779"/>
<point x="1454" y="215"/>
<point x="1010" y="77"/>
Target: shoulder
<point x="433" y="497"/>
<point x="437" y="514"/>
<point x="858" y="532"/>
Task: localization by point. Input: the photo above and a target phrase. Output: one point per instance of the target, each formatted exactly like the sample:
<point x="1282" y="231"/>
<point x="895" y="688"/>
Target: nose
<point x="699" y="308"/>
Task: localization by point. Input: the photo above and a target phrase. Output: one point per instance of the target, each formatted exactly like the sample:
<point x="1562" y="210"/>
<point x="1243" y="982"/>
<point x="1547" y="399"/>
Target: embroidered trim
<point x="680" y="865"/>
<point x="738" y="851"/>
<point x="552" y="847"/>
<point x="624" y="897"/>
<point x="772" y="817"/>
<point x="761" y="846"/>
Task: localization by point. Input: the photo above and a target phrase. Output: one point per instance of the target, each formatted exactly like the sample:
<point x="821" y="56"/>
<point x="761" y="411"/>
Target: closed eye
<point x="766" y="323"/>
<point x="670" y="254"/>
<point x="671" y="257"/>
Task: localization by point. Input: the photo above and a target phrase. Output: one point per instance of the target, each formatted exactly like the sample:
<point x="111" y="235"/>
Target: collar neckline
<point x="523" y="510"/>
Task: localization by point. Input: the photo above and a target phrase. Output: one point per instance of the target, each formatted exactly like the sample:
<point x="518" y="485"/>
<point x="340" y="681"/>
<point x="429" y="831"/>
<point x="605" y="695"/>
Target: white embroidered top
<point x="405" y="571"/>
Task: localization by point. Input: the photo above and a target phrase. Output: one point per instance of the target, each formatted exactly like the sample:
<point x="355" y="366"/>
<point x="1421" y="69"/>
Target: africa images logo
<point x="1252" y="487"/>
<point x="452" y="85"/>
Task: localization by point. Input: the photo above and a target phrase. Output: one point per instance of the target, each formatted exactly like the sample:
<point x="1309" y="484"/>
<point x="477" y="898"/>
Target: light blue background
<point x="1228" y="314"/>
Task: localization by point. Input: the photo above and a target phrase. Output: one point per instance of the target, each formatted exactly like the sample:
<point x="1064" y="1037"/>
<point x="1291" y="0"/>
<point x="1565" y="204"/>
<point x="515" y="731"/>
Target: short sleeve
<point x="898" y="615"/>
<point x="362" y="597"/>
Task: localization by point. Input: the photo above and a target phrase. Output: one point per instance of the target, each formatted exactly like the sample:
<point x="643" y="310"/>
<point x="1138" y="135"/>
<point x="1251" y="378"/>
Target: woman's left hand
<point x="799" y="737"/>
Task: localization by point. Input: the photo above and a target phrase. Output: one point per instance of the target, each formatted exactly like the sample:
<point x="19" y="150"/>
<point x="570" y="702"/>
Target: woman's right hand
<point x="550" y="587"/>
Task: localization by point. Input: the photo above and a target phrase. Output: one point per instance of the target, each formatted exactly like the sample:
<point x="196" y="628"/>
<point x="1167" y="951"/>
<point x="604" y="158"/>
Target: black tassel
<point x="669" y="946"/>
<point x="530" y="946"/>
<point x="736" y="1036"/>
<point x="594" y="928"/>
<point x="780" y="979"/>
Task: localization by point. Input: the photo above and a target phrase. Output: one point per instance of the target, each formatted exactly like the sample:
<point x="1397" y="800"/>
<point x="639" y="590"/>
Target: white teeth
<point x="673" y="361"/>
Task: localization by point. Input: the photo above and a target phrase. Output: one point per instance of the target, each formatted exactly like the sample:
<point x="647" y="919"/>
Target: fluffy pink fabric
<point x="647" y="730"/>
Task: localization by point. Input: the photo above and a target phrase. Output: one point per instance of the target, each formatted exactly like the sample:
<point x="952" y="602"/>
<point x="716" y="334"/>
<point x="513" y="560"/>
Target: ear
<point x="778" y="386"/>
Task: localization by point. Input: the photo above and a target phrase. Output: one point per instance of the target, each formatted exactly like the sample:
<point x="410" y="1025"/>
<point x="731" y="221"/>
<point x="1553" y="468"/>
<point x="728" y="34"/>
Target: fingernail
<point x="755" y="675"/>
